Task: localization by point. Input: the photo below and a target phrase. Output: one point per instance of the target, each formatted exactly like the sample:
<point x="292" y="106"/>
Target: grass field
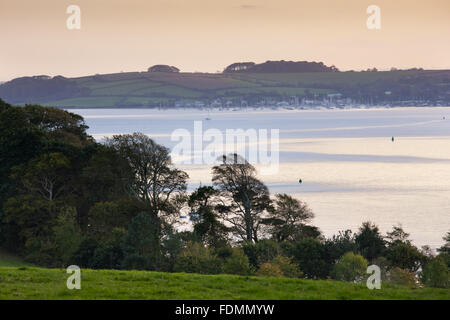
<point x="19" y="280"/>
<point x="39" y="283"/>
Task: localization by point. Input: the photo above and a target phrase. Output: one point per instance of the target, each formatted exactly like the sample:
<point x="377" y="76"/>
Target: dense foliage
<point x="66" y="199"/>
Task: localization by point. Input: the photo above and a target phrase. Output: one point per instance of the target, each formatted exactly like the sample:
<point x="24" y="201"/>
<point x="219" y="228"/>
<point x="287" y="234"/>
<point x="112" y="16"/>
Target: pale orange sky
<point x="207" y="35"/>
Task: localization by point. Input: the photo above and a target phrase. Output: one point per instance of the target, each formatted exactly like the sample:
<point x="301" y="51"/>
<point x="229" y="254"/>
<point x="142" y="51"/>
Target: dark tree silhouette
<point x="246" y="198"/>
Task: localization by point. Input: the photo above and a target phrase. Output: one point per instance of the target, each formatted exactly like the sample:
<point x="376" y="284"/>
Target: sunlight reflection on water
<point x="351" y="170"/>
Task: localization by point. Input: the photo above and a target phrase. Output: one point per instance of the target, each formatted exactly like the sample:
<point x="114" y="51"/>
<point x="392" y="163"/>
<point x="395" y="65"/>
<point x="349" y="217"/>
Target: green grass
<point x="39" y="283"/>
<point x="19" y="280"/>
<point x="9" y="260"/>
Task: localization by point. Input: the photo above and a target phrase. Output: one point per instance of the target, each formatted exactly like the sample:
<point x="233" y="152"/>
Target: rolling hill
<point x="166" y="89"/>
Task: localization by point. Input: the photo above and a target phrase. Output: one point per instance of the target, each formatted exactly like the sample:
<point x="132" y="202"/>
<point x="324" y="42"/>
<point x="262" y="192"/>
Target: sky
<point x="208" y="35"/>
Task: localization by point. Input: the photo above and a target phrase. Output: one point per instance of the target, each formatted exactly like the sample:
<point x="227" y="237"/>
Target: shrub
<point x="261" y="252"/>
<point x="404" y="255"/>
<point x="197" y="259"/>
<point x="142" y="239"/>
<point x="436" y="274"/>
<point x="287" y="267"/>
<point x="268" y="269"/>
<point x="384" y="266"/>
<point x="369" y="241"/>
<point x="40" y="251"/>
<point x="237" y="263"/>
<point x="402" y="277"/>
<point x="67" y="237"/>
<point x="109" y="254"/>
<point x="85" y="252"/>
<point x="339" y="245"/>
<point x="309" y="255"/>
<point x="351" y="267"/>
<point x="446" y="258"/>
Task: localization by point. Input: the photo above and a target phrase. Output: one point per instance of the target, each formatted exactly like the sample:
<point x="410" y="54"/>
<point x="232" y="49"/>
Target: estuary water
<point x="350" y="168"/>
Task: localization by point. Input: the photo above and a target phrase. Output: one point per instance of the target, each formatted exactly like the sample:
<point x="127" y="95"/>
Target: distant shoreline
<point x="252" y="108"/>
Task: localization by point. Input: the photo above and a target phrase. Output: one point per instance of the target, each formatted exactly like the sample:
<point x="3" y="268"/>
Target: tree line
<point x="67" y="199"/>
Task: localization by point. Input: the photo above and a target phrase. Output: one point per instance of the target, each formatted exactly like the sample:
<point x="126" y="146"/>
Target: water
<point x="351" y="170"/>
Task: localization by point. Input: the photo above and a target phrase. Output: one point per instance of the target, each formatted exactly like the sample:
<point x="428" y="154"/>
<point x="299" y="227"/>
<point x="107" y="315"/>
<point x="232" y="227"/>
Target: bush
<point x="261" y="252"/>
<point x="339" y="245"/>
<point x="351" y="267"/>
<point x="67" y="237"/>
<point x="40" y="251"/>
<point x="197" y="259"/>
<point x="402" y="277"/>
<point x="287" y="267"/>
<point x="369" y="241"/>
<point x="142" y="239"/>
<point x="268" y="269"/>
<point x="404" y="255"/>
<point x="83" y="256"/>
<point x="436" y="274"/>
<point x="309" y="255"/>
<point x="237" y="263"/>
<point x="384" y="266"/>
<point x="109" y="254"/>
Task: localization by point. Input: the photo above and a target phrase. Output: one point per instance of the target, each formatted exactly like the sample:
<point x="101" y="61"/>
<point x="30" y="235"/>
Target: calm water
<point x="351" y="170"/>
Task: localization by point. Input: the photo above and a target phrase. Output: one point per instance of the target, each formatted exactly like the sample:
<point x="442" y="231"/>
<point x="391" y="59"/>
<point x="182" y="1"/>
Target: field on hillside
<point x="39" y="283"/>
<point x="145" y="89"/>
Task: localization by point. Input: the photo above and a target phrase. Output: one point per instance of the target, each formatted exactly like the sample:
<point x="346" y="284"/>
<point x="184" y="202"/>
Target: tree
<point x="42" y="144"/>
<point x="237" y="263"/>
<point x="369" y="241"/>
<point x="268" y="269"/>
<point x="246" y="197"/>
<point x="19" y="143"/>
<point x="401" y="253"/>
<point x="141" y="244"/>
<point x="289" y="269"/>
<point x="156" y="180"/>
<point x="262" y="251"/>
<point x="309" y="255"/>
<point x="104" y="217"/>
<point x="287" y="218"/>
<point x="46" y="177"/>
<point x="444" y="251"/>
<point x="397" y="234"/>
<point x="67" y="236"/>
<point x="338" y="245"/>
<point x="42" y="187"/>
<point x="436" y="274"/>
<point x="109" y="254"/>
<point x="401" y="277"/>
<point x="4" y="105"/>
<point x="207" y="226"/>
<point x="446" y="247"/>
<point x="196" y="258"/>
<point x="106" y="175"/>
<point x="156" y="183"/>
<point x="351" y="267"/>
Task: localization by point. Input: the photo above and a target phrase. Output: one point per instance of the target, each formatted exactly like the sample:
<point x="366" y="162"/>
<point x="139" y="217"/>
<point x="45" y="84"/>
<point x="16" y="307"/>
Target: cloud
<point x="248" y="6"/>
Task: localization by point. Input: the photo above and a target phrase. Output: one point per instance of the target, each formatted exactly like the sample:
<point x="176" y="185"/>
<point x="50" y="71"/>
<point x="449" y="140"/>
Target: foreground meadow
<point x="39" y="283"/>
